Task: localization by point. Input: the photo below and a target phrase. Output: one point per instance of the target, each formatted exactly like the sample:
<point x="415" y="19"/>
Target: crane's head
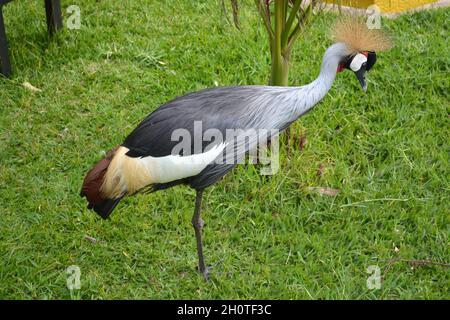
<point x="361" y="44"/>
<point x="359" y="63"/>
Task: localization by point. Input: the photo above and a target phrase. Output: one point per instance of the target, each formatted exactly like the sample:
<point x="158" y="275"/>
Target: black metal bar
<point x="53" y="13"/>
<point x="5" y="64"/>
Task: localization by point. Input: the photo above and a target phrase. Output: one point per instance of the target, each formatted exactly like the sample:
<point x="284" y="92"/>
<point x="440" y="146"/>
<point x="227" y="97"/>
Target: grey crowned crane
<point x="149" y="160"/>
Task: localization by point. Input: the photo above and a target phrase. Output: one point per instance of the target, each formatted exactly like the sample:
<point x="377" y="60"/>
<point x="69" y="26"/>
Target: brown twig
<point x="264" y="11"/>
<point x="418" y="263"/>
<point x="235" y="7"/>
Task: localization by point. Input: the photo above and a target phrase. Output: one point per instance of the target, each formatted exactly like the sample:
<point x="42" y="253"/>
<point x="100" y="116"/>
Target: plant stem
<point x="279" y="70"/>
<point x="280" y="59"/>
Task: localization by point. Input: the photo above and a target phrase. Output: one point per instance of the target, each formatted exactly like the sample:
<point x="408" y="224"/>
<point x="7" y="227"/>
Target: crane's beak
<point x="361" y="75"/>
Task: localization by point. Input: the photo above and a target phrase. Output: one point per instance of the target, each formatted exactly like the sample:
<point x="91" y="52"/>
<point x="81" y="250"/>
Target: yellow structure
<point x="386" y="6"/>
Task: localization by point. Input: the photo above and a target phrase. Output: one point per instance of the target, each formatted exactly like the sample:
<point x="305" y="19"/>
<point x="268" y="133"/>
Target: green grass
<point x="386" y="150"/>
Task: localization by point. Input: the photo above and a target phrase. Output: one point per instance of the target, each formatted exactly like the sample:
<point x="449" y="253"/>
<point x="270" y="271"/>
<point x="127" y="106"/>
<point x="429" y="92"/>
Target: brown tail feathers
<point x="92" y="185"/>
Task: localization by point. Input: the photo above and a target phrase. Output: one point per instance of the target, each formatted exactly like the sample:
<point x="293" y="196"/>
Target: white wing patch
<point x="127" y="175"/>
<point x="175" y="167"/>
<point x="357" y="62"/>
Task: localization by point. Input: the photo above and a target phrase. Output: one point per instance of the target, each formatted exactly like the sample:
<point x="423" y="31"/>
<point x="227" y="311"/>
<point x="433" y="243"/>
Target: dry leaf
<point x="30" y="87"/>
<point x="91" y="239"/>
<point x="325" y="191"/>
<point x="303" y="142"/>
<point x="63" y="133"/>
<point x="320" y="170"/>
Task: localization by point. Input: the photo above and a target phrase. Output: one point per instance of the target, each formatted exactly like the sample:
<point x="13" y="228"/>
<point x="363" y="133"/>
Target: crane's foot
<point x="206" y="271"/>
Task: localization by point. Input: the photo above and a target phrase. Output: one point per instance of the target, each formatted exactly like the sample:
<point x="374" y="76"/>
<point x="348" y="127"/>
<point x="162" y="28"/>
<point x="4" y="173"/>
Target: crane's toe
<point x="205" y="274"/>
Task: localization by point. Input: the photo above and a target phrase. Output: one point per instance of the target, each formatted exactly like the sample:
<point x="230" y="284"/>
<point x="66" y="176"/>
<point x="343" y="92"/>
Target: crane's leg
<point x="198" y="223"/>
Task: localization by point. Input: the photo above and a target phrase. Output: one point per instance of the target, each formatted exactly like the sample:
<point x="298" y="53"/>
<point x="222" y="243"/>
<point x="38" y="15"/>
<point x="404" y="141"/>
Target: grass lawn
<point x="385" y="150"/>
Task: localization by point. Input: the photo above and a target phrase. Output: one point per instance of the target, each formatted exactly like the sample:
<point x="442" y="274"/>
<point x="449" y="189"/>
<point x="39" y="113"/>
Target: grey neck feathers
<point x="309" y="95"/>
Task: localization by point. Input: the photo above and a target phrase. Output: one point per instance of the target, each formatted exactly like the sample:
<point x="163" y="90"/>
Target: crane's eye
<point x="358" y="61"/>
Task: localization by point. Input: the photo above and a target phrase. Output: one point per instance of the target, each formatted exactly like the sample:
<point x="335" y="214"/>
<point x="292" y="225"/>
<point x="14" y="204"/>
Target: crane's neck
<point x="309" y="95"/>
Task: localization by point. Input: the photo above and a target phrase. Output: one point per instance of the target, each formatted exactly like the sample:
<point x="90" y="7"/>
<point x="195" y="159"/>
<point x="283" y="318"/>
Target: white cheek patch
<point x="357" y="62"/>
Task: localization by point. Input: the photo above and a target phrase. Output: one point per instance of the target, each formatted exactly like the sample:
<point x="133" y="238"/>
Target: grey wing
<point x="223" y="108"/>
<point x="245" y="108"/>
